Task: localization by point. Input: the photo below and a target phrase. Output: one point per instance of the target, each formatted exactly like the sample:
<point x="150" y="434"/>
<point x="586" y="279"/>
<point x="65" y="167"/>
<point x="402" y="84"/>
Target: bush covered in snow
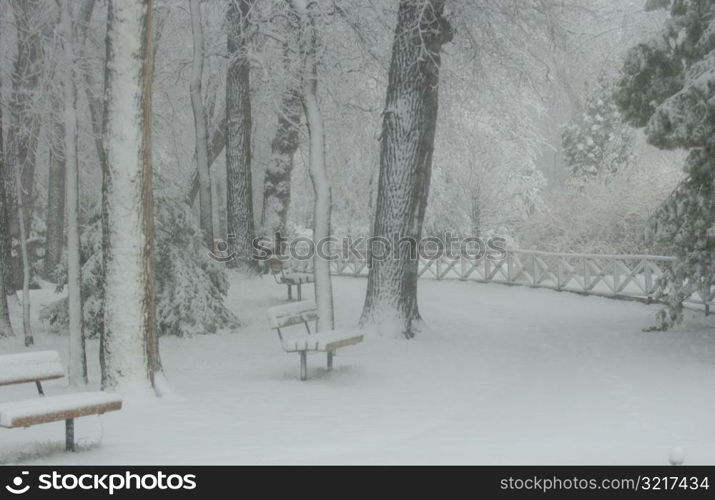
<point x="190" y="285"/>
<point x="605" y="215"/>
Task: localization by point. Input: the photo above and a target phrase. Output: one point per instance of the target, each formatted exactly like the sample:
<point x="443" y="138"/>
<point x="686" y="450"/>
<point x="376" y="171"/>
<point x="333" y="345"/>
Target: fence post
<point x="648" y="277"/>
<point x="559" y="272"/>
<point x="509" y="266"/>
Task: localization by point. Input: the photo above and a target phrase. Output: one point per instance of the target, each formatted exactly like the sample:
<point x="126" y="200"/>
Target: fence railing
<point x="622" y="276"/>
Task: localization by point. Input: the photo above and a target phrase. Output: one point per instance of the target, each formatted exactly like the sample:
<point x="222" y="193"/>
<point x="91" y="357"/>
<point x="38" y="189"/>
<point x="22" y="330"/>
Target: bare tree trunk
<point x="54" y="238"/>
<point x="78" y="356"/>
<point x="26" y="326"/>
<point x="129" y="343"/>
<point x="276" y="184"/>
<point x="150" y="320"/>
<point x="408" y="129"/>
<point x="239" y="198"/>
<point x="215" y="148"/>
<point x="95" y="103"/>
<point x="24" y="119"/>
<point x="5" y="325"/>
<point x="318" y="173"/>
<point x="202" y="161"/>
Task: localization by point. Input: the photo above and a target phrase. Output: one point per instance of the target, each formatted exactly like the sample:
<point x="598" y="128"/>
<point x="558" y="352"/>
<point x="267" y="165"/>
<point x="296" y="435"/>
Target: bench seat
<point x="326" y="341"/>
<point x="294" y="278"/>
<point x="50" y="409"/>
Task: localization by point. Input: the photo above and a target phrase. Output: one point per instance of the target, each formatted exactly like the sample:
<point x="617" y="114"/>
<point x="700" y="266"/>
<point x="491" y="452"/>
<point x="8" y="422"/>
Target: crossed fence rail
<point x="618" y="276"/>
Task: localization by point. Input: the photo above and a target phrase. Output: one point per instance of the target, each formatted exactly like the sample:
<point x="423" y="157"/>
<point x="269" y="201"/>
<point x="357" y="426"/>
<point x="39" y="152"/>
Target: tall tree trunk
<point x="239" y="199"/>
<point x="129" y="341"/>
<point x="24" y="119"/>
<point x="54" y="238"/>
<point x="78" y="357"/>
<point x="318" y="173"/>
<point x="215" y="148"/>
<point x="408" y="129"/>
<point x="5" y="325"/>
<point x="202" y="153"/>
<point x="276" y="184"/>
<point x="26" y="326"/>
<point x="94" y="102"/>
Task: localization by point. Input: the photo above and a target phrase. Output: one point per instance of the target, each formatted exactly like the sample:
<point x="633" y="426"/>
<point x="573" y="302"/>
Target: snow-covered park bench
<point x="305" y="312"/>
<point x="46" y="365"/>
<point x="290" y="276"/>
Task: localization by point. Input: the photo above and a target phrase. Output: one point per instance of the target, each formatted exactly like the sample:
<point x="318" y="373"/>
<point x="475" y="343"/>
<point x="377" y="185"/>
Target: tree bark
<point x="24" y="120"/>
<point x="215" y="148"/>
<point x="5" y="325"/>
<point x="239" y="199"/>
<point x="26" y="326"/>
<point x="54" y="237"/>
<point x="94" y="103"/>
<point x="318" y="173"/>
<point x="276" y="184"/>
<point x="78" y="357"/>
<point x="407" y="142"/>
<point x="202" y="162"/>
<point x="129" y="343"/>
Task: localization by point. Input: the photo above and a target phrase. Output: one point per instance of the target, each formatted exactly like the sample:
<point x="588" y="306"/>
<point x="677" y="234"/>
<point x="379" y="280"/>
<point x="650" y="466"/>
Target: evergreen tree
<point x="599" y="142"/>
<point x="190" y="286"/>
<point x="668" y="86"/>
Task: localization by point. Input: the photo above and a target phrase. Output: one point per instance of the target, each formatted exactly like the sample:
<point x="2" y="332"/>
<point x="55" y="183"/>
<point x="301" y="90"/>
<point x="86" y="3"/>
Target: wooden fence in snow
<point x="620" y="276"/>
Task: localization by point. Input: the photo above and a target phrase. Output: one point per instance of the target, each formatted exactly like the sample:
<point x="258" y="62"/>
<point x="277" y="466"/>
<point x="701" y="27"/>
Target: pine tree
<point x="190" y="286"/>
<point x="599" y="143"/>
<point x="668" y="87"/>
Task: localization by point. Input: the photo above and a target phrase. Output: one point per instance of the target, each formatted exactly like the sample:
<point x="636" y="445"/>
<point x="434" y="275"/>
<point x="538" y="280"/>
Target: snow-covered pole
<point x="77" y="358"/>
<point x="318" y="173"/>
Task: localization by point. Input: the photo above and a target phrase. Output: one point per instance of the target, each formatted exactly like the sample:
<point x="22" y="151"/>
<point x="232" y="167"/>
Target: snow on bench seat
<point x="295" y="277"/>
<point x="328" y="341"/>
<point x="29" y="367"/>
<point x="50" y="409"/>
<point x="292" y="314"/>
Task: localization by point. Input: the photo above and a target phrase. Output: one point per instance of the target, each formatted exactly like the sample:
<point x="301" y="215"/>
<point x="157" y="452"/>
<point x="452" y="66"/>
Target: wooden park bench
<point x="305" y="312"/>
<point x="46" y="365"/>
<point x="290" y="276"/>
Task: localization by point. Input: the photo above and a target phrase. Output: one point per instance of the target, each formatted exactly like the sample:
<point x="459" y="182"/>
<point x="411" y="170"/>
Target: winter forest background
<point x="136" y="134"/>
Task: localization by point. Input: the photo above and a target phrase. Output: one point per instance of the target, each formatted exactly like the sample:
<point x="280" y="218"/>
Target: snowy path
<point x="504" y="375"/>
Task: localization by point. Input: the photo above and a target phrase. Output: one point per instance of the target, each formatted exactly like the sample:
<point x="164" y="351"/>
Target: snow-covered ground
<point x="503" y="375"/>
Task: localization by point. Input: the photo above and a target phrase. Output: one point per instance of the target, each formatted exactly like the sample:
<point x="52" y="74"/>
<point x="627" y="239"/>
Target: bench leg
<point x="290" y="292"/>
<point x="300" y="292"/>
<point x="69" y="434"/>
<point x="303" y="365"/>
<point x="330" y="359"/>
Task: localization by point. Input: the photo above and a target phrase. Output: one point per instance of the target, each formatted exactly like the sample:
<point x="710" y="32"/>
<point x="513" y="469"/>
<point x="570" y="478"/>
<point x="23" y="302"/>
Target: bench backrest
<point x="275" y="265"/>
<point x="30" y="367"/>
<point x="292" y="314"/>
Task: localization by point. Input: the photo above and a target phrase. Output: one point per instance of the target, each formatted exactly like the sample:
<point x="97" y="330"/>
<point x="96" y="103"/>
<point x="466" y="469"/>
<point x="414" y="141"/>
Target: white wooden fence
<point x="620" y="276"/>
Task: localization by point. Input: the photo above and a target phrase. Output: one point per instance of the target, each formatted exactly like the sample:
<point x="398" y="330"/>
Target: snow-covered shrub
<point x="605" y="216"/>
<point x="190" y="286"/>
